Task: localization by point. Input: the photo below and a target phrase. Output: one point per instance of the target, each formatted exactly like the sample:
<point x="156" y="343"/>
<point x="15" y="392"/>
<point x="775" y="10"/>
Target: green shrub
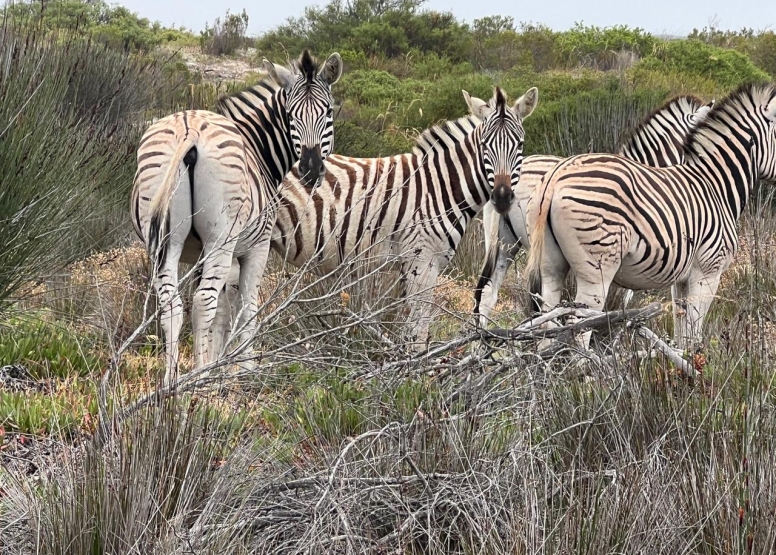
<point x="431" y="66"/>
<point x="354" y="140"/>
<point x="379" y="38"/>
<point x="762" y="51"/>
<point x="45" y="348"/>
<point x="115" y="26"/>
<point x="673" y="82"/>
<point x="225" y="37"/>
<point x="498" y="45"/>
<point x="587" y="122"/>
<point x="597" y="47"/>
<point x="371" y="87"/>
<point x="70" y="121"/>
<point x="64" y="411"/>
<point x="727" y="68"/>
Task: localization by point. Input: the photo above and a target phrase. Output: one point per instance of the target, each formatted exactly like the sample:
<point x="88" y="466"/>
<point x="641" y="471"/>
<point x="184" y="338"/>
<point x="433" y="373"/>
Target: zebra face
<point x="309" y="104"/>
<point x="501" y="142"/>
<point x="767" y="169"/>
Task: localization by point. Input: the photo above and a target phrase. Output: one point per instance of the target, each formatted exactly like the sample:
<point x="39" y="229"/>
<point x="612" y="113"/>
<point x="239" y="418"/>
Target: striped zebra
<point x="205" y="187"/>
<point x="657" y="141"/>
<point x="609" y="219"/>
<point x="412" y="207"/>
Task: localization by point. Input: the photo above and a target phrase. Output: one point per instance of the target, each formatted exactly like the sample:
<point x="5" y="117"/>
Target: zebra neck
<point x="453" y="171"/>
<point x="261" y="117"/>
<point x="728" y="168"/>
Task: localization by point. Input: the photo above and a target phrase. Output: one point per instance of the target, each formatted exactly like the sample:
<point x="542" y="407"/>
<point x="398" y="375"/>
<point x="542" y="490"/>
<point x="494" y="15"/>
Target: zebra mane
<point x="455" y="129"/>
<point x="686" y="104"/>
<point x="262" y="91"/>
<point x="306" y="65"/>
<point x="745" y="99"/>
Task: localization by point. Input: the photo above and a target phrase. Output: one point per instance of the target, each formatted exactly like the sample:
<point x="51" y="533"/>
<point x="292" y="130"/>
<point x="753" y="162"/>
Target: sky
<point x="662" y="17"/>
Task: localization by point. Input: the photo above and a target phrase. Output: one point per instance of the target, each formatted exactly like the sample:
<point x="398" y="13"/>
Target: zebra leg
<point x="227" y="303"/>
<point x="692" y="300"/>
<point x="418" y="279"/>
<point x="500" y="252"/>
<point x="252" y="266"/>
<point x="554" y="270"/>
<point x="216" y="266"/>
<point x="166" y="284"/>
<point x="592" y="289"/>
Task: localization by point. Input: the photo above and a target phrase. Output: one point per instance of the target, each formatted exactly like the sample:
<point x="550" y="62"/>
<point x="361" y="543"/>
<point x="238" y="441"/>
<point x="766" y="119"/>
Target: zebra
<point x="656" y="141"/>
<point x="413" y="207"/>
<point x="227" y="207"/>
<point x="649" y="228"/>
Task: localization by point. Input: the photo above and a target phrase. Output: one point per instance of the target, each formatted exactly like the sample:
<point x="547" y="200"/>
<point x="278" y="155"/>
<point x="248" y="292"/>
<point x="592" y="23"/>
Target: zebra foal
<point x="656" y="141"/>
<point x="204" y="191"/>
<point x="609" y="219"/>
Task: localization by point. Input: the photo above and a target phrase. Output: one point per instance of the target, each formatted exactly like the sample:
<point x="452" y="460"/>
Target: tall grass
<point x="589" y="122"/>
<point x="69" y="123"/>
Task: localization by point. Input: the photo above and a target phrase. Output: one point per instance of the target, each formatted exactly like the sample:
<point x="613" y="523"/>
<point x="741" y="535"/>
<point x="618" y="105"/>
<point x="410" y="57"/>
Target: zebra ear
<point x="702" y="112"/>
<point x="770" y="109"/>
<point x="279" y="74"/>
<point x="477" y="106"/>
<point x="526" y="104"/>
<point x="332" y="69"/>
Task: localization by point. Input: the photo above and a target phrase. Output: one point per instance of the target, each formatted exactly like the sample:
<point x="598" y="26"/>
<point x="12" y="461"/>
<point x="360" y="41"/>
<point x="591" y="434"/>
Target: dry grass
<point x="504" y="455"/>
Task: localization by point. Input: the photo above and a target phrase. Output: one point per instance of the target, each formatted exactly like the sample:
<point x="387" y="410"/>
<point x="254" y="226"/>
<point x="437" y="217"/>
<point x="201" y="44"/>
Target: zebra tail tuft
<point x="538" y="236"/>
<point x="159" y="229"/>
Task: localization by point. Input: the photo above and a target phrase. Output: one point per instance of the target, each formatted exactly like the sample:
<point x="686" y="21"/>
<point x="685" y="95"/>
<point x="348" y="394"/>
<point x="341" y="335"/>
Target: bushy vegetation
<point x="225" y="37"/>
<point x="106" y="23"/>
<point x="67" y="148"/>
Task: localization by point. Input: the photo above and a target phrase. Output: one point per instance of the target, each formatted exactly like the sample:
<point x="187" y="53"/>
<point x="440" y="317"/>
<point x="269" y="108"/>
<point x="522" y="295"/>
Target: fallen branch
<point x="529" y="331"/>
<point x="684" y="367"/>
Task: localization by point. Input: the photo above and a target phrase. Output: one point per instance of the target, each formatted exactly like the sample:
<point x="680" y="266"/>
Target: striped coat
<point x="657" y="141"/>
<point x="412" y="207"/>
<point x="611" y="220"/>
<point x="205" y="189"/>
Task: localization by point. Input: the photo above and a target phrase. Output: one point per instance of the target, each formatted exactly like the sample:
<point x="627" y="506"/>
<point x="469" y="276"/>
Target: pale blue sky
<point x="672" y="17"/>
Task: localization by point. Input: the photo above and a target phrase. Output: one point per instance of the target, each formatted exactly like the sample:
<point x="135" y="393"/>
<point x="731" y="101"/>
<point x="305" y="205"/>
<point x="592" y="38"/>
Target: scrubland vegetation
<point x="335" y="445"/>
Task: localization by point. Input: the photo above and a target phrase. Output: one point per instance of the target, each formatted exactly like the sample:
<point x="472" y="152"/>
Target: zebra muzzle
<point x="311" y="165"/>
<point x="502" y="196"/>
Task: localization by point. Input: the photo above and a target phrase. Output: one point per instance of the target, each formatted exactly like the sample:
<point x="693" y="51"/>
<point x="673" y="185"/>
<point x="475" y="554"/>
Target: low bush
<point x="225" y="37"/>
<point x="112" y="25"/>
<point x="728" y="68"/>
<point x="47" y="348"/>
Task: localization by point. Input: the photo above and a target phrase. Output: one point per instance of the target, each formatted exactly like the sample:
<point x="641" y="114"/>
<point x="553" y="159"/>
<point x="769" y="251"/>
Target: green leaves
<point x="728" y="68"/>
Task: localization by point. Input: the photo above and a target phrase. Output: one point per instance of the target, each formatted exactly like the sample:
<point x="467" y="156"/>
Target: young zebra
<point x="413" y="207"/>
<point x="205" y="187"/>
<point x="609" y="219"/>
<point x="657" y="141"/>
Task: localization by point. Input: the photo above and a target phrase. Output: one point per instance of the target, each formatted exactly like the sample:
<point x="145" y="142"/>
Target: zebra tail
<point x="491" y="223"/>
<point x="159" y="230"/>
<point x="536" y="251"/>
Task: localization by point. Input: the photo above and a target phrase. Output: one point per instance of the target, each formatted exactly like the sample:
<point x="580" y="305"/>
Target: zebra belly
<point x="633" y="275"/>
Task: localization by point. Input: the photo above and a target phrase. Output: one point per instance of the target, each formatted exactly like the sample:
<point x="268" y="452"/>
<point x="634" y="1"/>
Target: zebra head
<point x="309" y="104"/>
<point x="767" y="166"/>
<point x="501" y="141"/>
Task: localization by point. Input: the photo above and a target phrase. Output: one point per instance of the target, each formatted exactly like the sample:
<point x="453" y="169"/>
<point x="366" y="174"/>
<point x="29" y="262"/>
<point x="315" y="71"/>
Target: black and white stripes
<point x="657" y="141"/>
<point x="609" y="219"/>
<point x="414" y="207"/>
<point x="206" y="187"/>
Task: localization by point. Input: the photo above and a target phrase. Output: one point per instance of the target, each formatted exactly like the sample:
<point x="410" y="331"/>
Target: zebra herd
<point x="219" y="189"/>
